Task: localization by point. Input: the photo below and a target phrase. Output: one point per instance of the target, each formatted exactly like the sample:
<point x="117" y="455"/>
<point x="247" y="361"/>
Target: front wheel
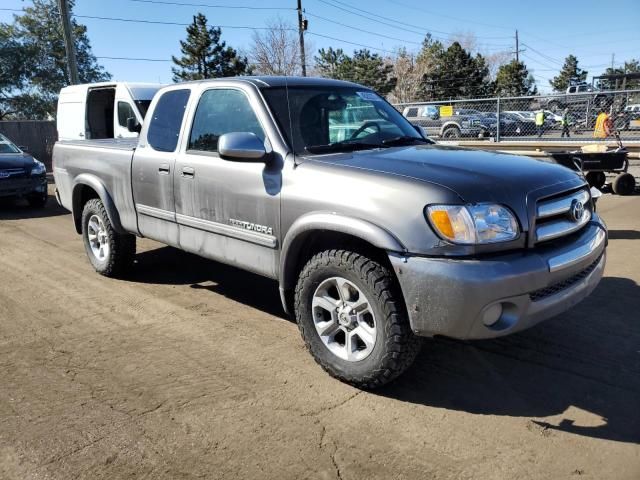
<point x="353" y="319"/>
<point x="110" y="252"/>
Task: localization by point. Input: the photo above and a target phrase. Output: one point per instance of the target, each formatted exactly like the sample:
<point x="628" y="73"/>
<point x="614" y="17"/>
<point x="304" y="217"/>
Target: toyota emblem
<point x="577" y="210"/>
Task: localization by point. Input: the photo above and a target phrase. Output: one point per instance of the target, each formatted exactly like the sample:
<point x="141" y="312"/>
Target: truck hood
<point x="476" y="176"/>
<point x="15" y="160"/>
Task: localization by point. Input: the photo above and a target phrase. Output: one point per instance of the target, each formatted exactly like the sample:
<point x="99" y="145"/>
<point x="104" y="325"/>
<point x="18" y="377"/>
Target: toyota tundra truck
<point x="376" y="235"/>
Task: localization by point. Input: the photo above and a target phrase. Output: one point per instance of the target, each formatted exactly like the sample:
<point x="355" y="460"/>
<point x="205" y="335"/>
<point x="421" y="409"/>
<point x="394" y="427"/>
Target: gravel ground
<point x="189" y="369"/>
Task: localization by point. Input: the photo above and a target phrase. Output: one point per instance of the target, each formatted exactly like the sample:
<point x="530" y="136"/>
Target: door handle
<point x="188" y="172"/>
<point x="163" y="169"/>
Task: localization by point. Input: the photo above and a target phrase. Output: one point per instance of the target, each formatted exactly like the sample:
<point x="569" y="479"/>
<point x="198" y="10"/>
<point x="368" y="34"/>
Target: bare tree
<point x="276" y="51"/>
<point x="495" y="59"/>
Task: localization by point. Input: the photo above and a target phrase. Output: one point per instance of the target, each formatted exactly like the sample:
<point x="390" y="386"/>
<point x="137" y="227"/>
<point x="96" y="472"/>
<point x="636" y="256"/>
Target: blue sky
<point x="548" y="30"/>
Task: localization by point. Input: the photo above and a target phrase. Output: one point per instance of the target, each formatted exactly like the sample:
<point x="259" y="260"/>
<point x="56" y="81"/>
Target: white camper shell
<point x="101" y="110"/>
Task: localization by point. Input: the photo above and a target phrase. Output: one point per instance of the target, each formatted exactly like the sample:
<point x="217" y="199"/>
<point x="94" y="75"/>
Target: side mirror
<point x="420" y="130"/>
<point x="241" y="146"/>
<point x="133" y="125"/>
<point x="24" y="148"/>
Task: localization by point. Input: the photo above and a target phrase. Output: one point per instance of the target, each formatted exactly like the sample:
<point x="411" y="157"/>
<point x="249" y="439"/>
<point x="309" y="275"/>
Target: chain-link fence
<point x="545" y="117"/>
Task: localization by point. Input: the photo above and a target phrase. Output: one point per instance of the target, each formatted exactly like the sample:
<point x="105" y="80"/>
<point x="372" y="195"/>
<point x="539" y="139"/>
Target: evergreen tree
<point x="631" y="66"/>
<point x="514" y="80"/>
<point x="456" y="73"/>
<point x="205" y="56"/>
<point x="33" y="64"/>
<point x="569" y="74"/>
<point x="331" y="63"/>
<point x="366" y="68"/>
<point x="369" y="69"/>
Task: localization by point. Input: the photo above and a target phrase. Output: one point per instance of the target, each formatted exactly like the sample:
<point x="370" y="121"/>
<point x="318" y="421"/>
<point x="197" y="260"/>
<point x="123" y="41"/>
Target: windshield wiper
<point x="404" y="140"/>
<point x="344" y="146"/>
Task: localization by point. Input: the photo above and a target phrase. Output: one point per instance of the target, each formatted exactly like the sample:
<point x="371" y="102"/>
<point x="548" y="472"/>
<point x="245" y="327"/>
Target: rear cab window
<point x="164" y="127"/>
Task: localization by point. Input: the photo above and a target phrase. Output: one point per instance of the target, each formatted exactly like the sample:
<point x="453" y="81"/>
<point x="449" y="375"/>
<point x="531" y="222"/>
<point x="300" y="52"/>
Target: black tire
<point x="451" y="132"/>
<point x="37" y="200"/>
<point x="596" y="179"/>
<point x="624" y="184"/>
<point x="395" y="348"/>
<point x="122" y="247"/>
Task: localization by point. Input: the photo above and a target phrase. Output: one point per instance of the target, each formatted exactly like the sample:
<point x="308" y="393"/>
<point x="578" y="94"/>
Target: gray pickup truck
<point x="376" y="235"/>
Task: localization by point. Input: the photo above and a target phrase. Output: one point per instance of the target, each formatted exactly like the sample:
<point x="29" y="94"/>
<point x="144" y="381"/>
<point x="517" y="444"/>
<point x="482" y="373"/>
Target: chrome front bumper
<point x="450" y="297"/>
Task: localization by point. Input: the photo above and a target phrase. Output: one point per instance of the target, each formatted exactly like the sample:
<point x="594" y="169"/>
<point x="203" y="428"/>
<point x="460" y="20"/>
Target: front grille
<point x="562" y="215"/>
<point x="6" y="173"/>
<point x="545" y="292"/>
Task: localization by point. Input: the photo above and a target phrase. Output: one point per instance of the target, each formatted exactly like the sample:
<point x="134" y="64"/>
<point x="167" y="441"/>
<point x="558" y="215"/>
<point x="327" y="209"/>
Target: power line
<point x="361" y="30"/>
<point x="158" y="22"/>
<point x="384" y="20"/>
<point x="208" y="5"/>
<point x="135" y="59"/>
<point x="452" y="18"/>
<point x="351" y="43"/>
<point x="543" y="55"/>
<point x="421" y="32"/>
<point x="165" y="60"/>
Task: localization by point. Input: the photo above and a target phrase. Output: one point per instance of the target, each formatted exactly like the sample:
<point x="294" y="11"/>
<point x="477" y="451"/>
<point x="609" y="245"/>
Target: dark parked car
<point x="450" y="127"/>
<point x="21" y="175"/>
<point x="489" y="124"/>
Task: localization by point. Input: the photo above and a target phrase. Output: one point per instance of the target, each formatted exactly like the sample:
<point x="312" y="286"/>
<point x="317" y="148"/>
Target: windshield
<point x="143" y="106"/>
<point x="6" y="146"/>
<point x="325" y="119"/>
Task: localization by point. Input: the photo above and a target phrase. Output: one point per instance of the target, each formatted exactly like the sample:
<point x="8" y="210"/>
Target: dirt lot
<point x="189" y="369"/>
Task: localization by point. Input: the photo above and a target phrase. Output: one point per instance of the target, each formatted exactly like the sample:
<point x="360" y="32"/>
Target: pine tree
<point x="631" y="66"/>
<point x="331" y="63"/>
<point x="369" y="69"/>
<point x="456" y="73"/>
<point x="513" y="80"/>
<point x="366" y="68"/>
<point x="34" y="62"/>
<point x="569" y="74"/>
<point x="205" y="56"/>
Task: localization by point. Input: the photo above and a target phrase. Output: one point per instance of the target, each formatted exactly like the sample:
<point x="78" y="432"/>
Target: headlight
<point x="473" y="224"/>
<point x="38" y="168"/>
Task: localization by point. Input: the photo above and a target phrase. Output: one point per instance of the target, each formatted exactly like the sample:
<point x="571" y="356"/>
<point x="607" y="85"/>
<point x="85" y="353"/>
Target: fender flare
<point x="448" y="124"/>
<point x="310" y="222"/>
<point x="89" y="180"/>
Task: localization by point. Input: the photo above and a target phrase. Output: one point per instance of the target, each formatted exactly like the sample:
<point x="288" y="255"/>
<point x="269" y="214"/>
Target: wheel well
<point x="450" y="126"/>
<point x="315" y="241"/>
<point x="81" y="195"/>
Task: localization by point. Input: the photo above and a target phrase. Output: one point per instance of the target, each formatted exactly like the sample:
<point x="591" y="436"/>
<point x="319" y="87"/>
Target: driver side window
<point x="222" y="111"/>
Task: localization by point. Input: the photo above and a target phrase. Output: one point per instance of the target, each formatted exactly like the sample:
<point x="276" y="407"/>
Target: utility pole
<point x="517" y="48"/>
<point x="302" y="26"/>
<point x="613" y="60"/>
<point x="63" y="7"/>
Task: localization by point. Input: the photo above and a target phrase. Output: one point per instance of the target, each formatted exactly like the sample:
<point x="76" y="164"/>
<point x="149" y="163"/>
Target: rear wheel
<point x="624" y="184"/>
<point x="353" y="320"/>
<point x="110" y="252"/>
<point x="451" y="132"/>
